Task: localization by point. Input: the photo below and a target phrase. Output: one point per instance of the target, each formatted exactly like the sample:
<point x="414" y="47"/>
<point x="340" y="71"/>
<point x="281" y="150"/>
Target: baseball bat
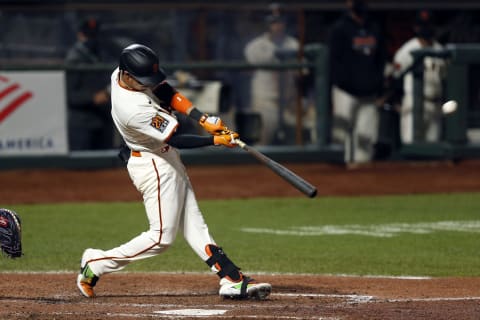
<point x="292" y="178"/>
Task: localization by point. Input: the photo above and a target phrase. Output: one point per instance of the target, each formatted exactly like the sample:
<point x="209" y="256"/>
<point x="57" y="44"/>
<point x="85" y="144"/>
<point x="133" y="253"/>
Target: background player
<point x="433" y="76"/>
<point x="357" y="64"/>
<point x="142" y="110"/>
<point x="273" y="92"/>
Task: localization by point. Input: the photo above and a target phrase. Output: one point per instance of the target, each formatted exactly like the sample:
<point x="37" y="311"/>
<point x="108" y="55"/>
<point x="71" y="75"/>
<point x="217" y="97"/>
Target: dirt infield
<point x="194" y="296"/>
<point x="51" y="186"/>
<point x="188" y="296"/>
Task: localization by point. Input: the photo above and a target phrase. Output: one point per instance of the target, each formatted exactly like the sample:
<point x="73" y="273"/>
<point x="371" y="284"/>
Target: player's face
<point x="277" y="29"/>
<point x="133" y="83"/>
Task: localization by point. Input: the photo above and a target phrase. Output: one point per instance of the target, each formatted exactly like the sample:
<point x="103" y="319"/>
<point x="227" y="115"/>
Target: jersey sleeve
<point x="402" y="59"/>
<point x="156" y="124"/>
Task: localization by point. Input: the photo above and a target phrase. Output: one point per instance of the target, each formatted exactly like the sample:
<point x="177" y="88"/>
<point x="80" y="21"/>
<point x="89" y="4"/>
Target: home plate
<point x="192" y="312"/>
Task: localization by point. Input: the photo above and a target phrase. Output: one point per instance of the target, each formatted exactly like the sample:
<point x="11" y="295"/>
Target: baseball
<point x="449" y="106"/>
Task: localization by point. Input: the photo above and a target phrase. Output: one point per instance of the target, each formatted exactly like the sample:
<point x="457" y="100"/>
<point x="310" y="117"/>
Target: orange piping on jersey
<point x="159" y="202"/>
<point x="181" y="103"/>
<point x="161" y="226"/>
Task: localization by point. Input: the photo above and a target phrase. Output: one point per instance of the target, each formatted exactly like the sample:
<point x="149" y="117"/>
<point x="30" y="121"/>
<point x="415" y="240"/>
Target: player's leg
<point x="365" y="131"/>
<point x="233" y="283"/>
<point x="193" y="226"/>
<point x="264" y="101"/>
<point x="406" y="120"/>
<point x="163" y="199"/>
<point x="342" y="125"/>
<point x="432" y="121"/>
<point x="270" y="120"/>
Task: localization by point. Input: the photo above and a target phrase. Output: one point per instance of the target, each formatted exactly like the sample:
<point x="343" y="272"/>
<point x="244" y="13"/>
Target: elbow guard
<point x="164" y="92"/>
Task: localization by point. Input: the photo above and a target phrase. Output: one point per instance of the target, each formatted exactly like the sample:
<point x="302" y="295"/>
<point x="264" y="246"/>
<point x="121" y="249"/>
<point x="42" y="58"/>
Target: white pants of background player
<point x="355" y="124"/>
<point x="170" y="205"/>
<point x="432" y="122"/>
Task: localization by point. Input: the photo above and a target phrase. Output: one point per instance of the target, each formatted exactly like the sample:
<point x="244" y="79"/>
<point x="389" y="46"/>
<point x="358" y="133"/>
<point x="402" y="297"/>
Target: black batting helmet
<point x="142" y="63"/>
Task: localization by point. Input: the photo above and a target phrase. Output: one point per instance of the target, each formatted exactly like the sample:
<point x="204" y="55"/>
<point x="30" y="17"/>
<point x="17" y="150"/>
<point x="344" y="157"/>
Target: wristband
<point x="196" y="114"/>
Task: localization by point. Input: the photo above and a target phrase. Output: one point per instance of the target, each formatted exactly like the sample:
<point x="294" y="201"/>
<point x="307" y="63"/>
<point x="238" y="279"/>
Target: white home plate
<point x="192" y="312"/>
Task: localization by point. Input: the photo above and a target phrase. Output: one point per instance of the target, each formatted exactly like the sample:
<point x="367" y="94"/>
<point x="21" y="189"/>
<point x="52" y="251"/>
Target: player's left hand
<point x="212" y="124"/>
<point x="226" y="138"/>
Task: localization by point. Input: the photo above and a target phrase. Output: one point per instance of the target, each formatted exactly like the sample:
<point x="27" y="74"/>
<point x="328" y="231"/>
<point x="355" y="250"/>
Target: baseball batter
<point x="142" y="110"/>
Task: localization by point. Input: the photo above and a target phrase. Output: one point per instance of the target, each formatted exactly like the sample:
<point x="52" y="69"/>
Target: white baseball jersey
<point x="158" y="173"/>
<point x="271" y="88"/>
<point x="141" y="121"/>
<point x="433" y="71"/>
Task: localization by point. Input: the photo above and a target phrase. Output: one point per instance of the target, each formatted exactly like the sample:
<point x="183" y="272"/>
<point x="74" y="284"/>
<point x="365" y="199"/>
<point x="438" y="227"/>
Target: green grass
<point x="55" y="235"/>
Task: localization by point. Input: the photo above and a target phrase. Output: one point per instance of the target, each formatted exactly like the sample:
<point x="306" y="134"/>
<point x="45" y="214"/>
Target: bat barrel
<point x="289" y="176"/>
<point x="295" y="180"/>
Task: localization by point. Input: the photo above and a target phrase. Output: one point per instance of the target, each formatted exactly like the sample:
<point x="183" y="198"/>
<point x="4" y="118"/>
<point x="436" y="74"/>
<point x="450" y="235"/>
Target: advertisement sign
<point x="32" y="113"/>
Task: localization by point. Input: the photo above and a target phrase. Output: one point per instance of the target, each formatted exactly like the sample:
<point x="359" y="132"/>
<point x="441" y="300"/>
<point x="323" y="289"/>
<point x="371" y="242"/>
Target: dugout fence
<point x="456" y="144"/>
<point x="317" y="149"/>
<point x="460" y="138"/>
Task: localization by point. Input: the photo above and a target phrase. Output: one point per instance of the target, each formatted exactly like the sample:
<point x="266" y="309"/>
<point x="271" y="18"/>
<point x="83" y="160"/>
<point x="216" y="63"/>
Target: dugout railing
<point x="319" y="150"/>
<point x="454" y="144"/>
<point x="460" y="85"/>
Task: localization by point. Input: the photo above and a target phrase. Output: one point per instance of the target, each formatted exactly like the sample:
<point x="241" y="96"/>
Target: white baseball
<point x="449" y="106"/>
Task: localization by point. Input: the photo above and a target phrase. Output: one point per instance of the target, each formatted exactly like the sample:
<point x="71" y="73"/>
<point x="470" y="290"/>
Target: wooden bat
<point x="292" y="178"/>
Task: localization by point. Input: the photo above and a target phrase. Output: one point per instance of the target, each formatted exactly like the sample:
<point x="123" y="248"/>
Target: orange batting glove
<point x="213" y="125"/>
<point x="226" y="138"/>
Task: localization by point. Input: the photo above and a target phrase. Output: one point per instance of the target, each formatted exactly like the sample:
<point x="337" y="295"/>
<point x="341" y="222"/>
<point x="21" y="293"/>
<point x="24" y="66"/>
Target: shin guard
<point x="222" y="264"/>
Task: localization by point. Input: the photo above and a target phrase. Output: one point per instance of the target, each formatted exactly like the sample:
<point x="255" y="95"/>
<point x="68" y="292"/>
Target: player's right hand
<point x="226" y="138"/>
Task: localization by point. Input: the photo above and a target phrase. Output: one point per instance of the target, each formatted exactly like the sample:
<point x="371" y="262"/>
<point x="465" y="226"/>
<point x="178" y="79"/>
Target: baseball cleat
<point x="247" y="288"/>
<point x="86" y="280"/>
